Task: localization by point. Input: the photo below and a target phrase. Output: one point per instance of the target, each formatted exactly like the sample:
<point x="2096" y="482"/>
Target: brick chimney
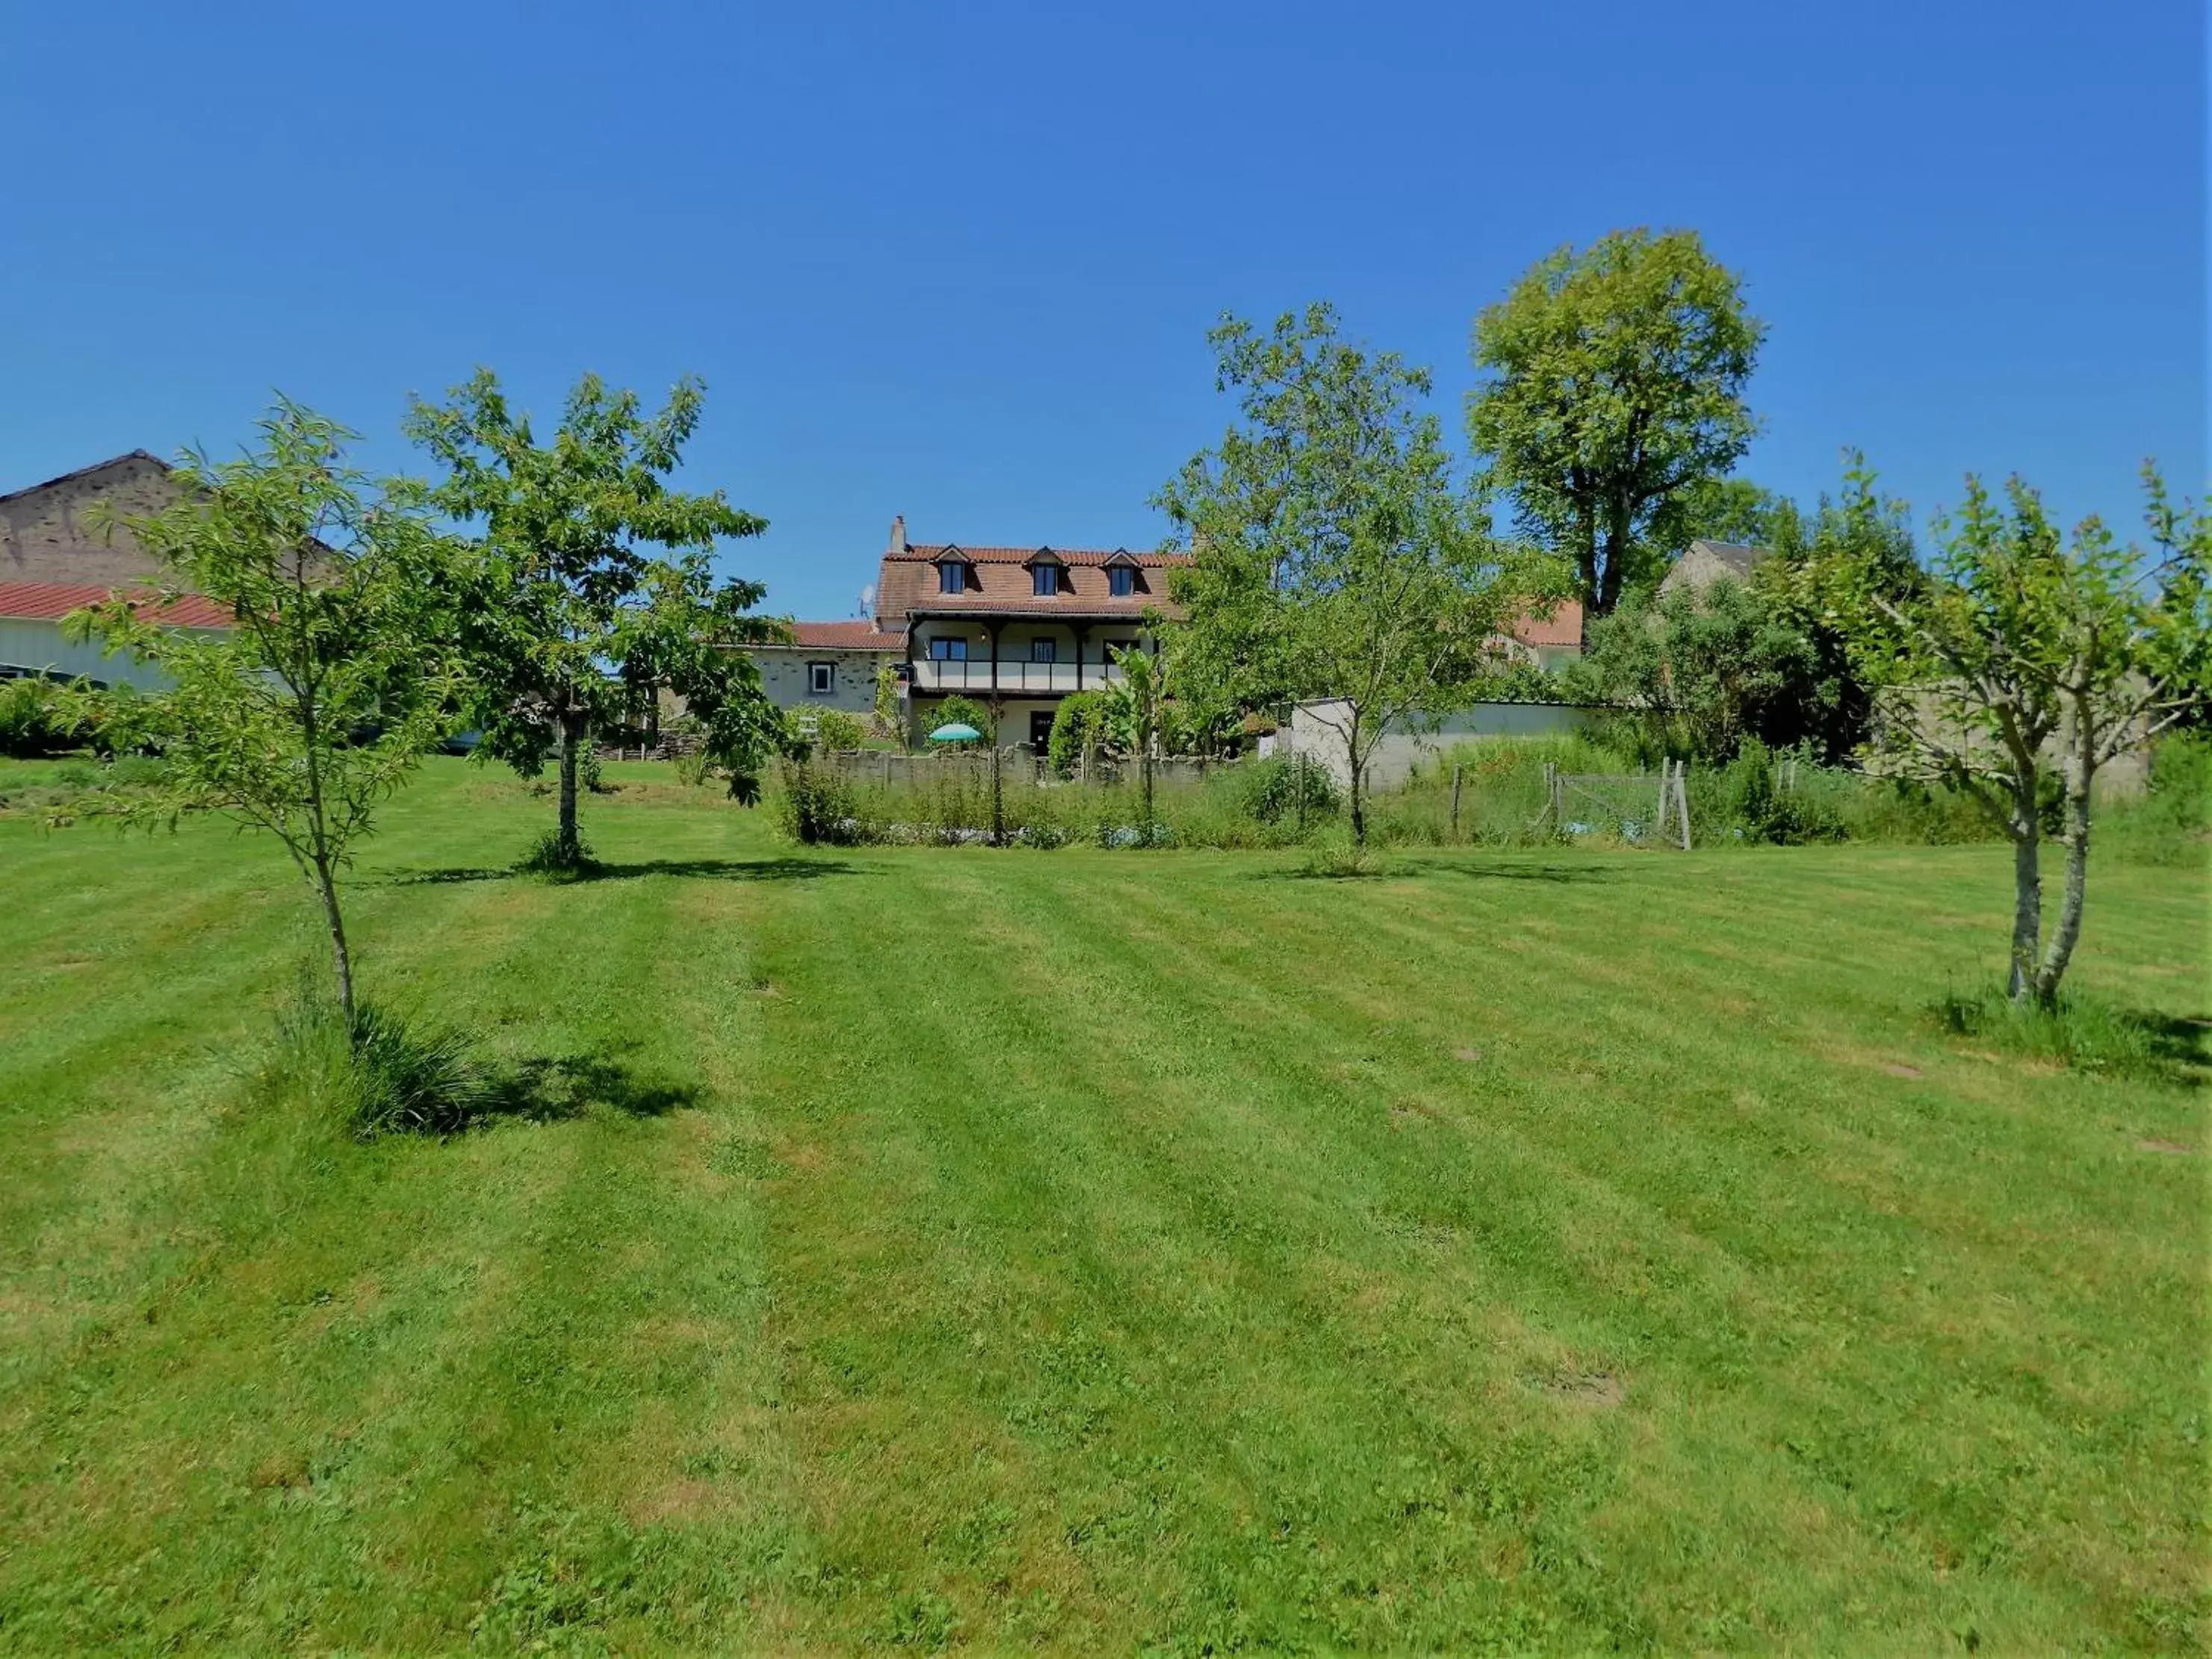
<point x="898" y="535"/>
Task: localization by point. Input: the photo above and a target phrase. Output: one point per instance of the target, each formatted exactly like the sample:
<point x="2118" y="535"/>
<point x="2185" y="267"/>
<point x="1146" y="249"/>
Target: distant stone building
<point x="1702" y="563"/>
<point x="828" y="665"/>
<point x="56" y="557"/>
<point x="1023" y="626"/>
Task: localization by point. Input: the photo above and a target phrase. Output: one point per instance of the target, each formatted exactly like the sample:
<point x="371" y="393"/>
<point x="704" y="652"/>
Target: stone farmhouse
<point x="1023" y="626"/>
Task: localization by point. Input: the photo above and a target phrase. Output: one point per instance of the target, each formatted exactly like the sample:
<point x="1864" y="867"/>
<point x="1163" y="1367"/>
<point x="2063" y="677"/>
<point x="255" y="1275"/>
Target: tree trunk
<point x="998" y="790"/>
<point x="1613" y="555"/>
<point x="2026" y="893"/>
<point x="340" y="957"/>
<point x="569" y="850"/>
<point x="2052" y="967"/>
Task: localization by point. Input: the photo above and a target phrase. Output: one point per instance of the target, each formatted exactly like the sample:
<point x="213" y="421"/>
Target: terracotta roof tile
<point x="52" y="601"/>
<point x="845" y="636"/>
<point x="1000" y="585"/>
<point x="1563" y="627"/>
<point x="932" y="553"/>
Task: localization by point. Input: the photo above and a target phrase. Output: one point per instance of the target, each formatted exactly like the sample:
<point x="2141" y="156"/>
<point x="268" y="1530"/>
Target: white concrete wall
<point x="1315" y="732"/>
<point x="39" y="647"/>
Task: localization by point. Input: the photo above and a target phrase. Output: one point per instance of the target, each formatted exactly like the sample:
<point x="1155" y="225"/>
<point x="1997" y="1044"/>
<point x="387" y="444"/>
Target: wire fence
<point x="1650" y="807"/>
<point x="1016" y="765"/>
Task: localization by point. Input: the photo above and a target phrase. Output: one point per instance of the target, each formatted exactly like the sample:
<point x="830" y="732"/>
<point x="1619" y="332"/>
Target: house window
<point x="1044" y="650"/>
<point x="942" y="650"/>
<point x="1044" y="580"/>
<point x="1121" y="581"/>
<point x="952" y="577"/>
<point x="821" y="678"/>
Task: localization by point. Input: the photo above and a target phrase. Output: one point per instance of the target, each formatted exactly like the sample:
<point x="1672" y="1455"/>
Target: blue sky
<point x="958" y="261"/>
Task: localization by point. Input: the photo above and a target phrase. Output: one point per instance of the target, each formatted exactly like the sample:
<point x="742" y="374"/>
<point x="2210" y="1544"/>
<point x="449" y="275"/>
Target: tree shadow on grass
<point x="1499" y="870"/>
<point x="784" y="869"/>
<point x="553" y="1088"/>
<point x="1395" y="870"/>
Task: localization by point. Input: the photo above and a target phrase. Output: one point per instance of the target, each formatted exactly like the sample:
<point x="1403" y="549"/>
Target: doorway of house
<point x="1039" y="731"/>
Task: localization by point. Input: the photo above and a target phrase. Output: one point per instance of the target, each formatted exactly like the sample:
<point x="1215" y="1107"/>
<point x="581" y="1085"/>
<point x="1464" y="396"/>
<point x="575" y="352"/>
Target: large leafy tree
<point x="593" y="591"/>
<point x="314" y="705"/>
<point x="1335" y="560"/>
<point x="2028" y="655"/>
<point x="1614" y="381"/>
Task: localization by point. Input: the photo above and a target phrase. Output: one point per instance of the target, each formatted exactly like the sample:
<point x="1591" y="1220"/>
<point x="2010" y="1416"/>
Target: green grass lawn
<point x="1098" y="1249"/>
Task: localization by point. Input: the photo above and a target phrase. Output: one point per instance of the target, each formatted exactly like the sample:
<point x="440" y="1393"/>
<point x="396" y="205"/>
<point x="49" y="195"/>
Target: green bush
<point x="1078" y="727"/>
<point x="815" y="806"/>
<point x="36" y="718"/>
<point x="835" y="729"/>
<point x="1279" y="787"/>
<point x="957" y="710"/>
<point x="1769" y="804"/>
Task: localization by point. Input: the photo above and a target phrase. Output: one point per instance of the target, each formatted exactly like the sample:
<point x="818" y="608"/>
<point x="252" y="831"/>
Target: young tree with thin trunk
<point x="593" y="588"/>
<point x="330" y="683"/>
<point x="2029" y="660"/>
<point x="1133" y="714"/>
<point x="1614" y="388"/>
<point x="1334" y="561"/>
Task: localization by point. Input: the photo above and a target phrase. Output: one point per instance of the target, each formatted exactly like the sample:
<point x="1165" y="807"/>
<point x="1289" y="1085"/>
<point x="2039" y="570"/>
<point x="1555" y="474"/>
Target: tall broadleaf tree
<point x="1613" y="387"/>
<point x="2025" y="654"/>
<point x="1335" y="561"/>
<point x="331" y="680"/>
<point x="592" y="590"/>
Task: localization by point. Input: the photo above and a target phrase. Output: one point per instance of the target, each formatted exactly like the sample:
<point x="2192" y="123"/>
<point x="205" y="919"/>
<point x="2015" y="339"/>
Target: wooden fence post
<point x="1456" y="770"/>
<point x="1682" y="799"/>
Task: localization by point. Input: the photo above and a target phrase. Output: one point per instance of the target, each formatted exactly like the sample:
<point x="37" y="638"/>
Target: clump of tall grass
<point x="376" y="1074"/>
<point x="2073" y="1031"/>
<point x="547" y="858"/>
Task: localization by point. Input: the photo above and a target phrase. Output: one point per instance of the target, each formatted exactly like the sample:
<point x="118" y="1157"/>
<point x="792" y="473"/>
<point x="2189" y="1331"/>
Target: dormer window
<point x="1046" y="579"/>
<point x="953" y="572"/>
<point x="1121" y="574"/>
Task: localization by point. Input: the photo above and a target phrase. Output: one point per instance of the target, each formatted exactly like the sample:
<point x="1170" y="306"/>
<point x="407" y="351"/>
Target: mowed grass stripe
<point x="1090" y="1249"/>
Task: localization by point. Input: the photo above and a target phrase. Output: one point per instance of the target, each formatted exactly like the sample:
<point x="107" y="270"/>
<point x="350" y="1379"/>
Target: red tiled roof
<point x="1074" y="606"/>
<point x="845" y="636"/>
<point x="1024" y="555"/>
<point x="1563" y="627"/>
<point x="52" y="601"/>
<point x="997" y="585"/>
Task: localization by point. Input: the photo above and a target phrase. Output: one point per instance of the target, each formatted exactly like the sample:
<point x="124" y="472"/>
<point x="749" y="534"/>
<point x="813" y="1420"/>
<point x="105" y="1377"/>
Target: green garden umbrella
<point x="955" y="733"/>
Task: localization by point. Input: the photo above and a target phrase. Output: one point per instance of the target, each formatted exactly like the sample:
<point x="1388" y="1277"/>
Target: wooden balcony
<point x="1015" y="679"/>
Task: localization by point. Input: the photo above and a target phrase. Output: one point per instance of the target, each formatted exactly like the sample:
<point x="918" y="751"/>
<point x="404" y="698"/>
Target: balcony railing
<point x="1014" y="678"/>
